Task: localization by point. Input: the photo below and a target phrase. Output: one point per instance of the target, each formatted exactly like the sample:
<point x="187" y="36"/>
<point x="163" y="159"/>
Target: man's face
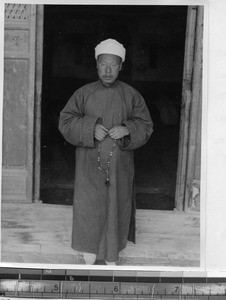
<point x="108" y="67"/>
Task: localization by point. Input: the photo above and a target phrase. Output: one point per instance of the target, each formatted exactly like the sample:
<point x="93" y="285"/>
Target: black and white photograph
<point x="102" y="134"/>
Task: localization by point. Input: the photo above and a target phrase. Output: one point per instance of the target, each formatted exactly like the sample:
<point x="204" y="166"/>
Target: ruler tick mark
<point x="153" y="290"/>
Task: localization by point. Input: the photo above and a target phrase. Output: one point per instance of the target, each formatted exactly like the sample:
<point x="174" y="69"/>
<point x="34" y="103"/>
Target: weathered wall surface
<point x="15" y="113"/>
<point x="18" y="102"/>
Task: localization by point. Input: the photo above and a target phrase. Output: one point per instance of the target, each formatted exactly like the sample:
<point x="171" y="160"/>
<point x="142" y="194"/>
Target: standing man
<point x="106" y="120"/>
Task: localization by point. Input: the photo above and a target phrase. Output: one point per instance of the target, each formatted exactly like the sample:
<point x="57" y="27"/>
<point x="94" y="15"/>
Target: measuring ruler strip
<point x="46" y="283"/>
<point x="61" y="289"/>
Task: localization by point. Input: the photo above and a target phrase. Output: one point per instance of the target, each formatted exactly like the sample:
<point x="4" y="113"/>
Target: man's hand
<point x="118" y="132"/>
<point x="100" y="132"/>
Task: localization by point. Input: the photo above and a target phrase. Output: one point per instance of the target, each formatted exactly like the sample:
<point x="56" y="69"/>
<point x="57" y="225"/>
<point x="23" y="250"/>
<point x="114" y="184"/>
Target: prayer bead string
<point x="107" y="170"/>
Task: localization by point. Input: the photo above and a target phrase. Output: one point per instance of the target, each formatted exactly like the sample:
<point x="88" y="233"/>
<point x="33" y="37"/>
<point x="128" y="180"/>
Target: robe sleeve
<point x="139" y="125"/>
<point x="77" y="128"/>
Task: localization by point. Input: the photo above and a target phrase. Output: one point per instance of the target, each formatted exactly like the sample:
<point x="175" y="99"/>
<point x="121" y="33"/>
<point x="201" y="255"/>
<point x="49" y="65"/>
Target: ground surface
<point x="41" y="233"/>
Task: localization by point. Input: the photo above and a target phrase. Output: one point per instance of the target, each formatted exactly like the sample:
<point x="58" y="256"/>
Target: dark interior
<point x="154" y="37"/>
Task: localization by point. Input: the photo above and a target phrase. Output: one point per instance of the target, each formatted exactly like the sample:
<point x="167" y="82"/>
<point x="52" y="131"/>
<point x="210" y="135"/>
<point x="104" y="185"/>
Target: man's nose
<point x="108" y="69"/>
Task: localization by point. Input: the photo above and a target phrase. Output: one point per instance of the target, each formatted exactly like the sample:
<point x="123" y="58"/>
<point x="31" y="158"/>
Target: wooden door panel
<point x="189" y="159"/>
<point x="18" y="102"/>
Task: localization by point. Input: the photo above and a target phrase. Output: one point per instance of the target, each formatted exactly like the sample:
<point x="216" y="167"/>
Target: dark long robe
<point x="102" y="213"/>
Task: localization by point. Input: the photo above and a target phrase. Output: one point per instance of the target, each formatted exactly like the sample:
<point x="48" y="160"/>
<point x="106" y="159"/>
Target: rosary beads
<point x="107" y="170"/>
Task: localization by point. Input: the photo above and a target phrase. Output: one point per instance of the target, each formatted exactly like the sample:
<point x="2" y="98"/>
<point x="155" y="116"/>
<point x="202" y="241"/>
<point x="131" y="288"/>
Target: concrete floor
<point x="41" y="233"/>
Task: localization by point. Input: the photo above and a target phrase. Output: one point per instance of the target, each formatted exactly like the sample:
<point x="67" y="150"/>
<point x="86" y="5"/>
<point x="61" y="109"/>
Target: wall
<point x="17" y="150"/>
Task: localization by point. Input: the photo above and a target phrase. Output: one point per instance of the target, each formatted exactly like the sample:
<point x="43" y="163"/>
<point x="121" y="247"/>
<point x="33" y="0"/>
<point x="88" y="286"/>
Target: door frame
<point x="38" y="101"/>
<point x="190" y="124"/>
<point x="184" y="171"/>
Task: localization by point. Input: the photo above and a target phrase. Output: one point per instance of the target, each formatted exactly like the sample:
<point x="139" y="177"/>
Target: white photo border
<point x="204" y="143"/>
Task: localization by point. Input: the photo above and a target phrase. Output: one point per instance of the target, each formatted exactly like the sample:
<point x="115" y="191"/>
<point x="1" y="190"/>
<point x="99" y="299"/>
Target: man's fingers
<point x="99" y="137"/>
<point x="104" y="128"/>
<point x="100" y="132"/>
<point x="118" y="132"/>
<point x="112" y="130"/>
<point x="114" y="135"/>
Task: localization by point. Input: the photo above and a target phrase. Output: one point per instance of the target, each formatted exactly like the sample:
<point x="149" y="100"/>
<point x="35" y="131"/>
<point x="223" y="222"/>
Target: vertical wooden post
<point x="18" y="114"/>
<point x="185" y="107"/>
<point x="195" y="108"/>
<point x="38" y="97"/>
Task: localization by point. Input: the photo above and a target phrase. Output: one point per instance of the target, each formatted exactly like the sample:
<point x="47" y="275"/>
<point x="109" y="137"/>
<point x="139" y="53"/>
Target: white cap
<point x="110" y="46"/>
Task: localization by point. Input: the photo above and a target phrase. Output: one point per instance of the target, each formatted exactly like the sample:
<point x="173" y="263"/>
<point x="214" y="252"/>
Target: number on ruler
<point x="56" y="287"/>
<point x="116" y="289"/>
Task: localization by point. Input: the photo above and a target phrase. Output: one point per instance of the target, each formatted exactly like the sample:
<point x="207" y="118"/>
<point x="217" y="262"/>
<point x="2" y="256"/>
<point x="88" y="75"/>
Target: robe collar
<point x="113" y="85"/>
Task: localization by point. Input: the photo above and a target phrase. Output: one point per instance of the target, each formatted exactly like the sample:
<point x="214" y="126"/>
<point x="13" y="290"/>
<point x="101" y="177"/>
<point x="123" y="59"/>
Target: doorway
<point x="154" y="37"/>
